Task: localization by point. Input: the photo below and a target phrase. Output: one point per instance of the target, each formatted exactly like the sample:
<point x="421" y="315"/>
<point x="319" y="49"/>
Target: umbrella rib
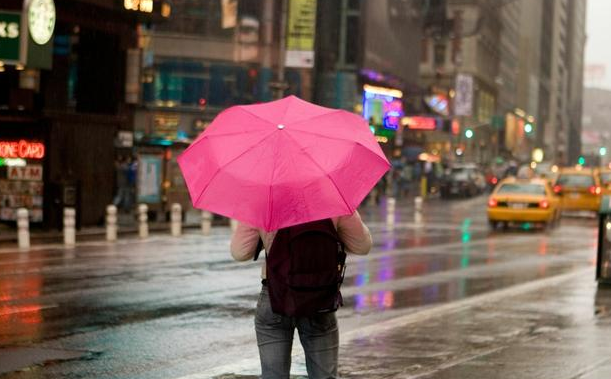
<point x="323" y="171"/>
<point x="256" y="115"/>
<point x="326" y="136"/>
<point x="246" y="150"/>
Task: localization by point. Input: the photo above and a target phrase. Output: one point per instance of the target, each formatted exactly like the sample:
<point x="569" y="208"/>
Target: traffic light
<point x="602" y="151"/>
<point x="528" y="128"/>
<point x="581" y="160"/>
<point x="469" y="133"/>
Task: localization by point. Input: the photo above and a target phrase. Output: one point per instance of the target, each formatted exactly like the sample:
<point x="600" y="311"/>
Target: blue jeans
<point x="318" y="334"/>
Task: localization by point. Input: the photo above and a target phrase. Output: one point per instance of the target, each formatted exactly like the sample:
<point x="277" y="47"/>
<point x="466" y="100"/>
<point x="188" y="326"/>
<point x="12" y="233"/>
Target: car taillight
<point x="544" y="204"/>
<point x="557" y="189"/>
<point x="595" y="190"/>
<point x="492" y="203"/>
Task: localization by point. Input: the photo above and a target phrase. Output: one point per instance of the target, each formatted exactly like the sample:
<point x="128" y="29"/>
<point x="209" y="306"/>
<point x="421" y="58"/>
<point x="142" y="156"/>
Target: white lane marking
<point x="251" y="365"/>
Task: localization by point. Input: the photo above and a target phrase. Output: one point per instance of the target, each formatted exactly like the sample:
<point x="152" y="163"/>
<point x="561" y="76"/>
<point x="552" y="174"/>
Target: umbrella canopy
<point x="282" y="163"/>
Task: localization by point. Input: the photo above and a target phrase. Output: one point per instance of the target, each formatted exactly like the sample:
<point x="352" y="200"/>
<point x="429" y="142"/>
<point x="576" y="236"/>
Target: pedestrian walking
<point x="318" y="332"/>
<point x="293" y="174"/>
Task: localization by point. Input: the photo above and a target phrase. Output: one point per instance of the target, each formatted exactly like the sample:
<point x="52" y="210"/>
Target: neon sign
<point x="22" y="149"/>
<point x="421" y="123"/>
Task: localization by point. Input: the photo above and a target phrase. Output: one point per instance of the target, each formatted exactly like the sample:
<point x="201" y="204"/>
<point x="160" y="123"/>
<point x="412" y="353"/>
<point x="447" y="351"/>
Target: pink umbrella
<point x="282" y="163"/>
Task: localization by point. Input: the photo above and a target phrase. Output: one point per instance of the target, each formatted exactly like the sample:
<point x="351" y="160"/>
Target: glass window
<point x="605" y="178"/>
<point x="576" y="180"/>
<point x="522" y="188"/>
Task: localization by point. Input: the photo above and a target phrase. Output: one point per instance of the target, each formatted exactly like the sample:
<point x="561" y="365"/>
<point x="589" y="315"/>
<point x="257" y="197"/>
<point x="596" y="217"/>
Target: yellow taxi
<point x="579" y="189"/>
<point x="523" y="201"/>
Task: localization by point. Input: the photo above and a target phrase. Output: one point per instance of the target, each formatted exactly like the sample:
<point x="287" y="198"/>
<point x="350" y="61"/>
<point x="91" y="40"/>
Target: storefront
<point x="59" y="132"/>
<point x="383" y="108"/>
<point x="22" y="164"/>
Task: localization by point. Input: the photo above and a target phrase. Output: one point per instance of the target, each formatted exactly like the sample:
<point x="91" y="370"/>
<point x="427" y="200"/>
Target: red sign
<point x="422" y="123"/>
<point x="455" y="127"/>
<point x="22" y="149"/>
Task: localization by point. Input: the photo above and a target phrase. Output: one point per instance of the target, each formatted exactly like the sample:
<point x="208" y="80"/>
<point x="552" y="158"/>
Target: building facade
<point x="62" y="104"/>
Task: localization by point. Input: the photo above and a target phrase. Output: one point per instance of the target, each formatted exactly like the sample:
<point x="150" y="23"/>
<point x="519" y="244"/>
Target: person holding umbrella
<point x="280" y="168"/>
<point x="319" y="334"/>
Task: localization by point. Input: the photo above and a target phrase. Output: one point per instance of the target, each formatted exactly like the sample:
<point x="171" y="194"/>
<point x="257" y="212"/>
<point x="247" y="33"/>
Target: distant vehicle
<point x="579" y="189"/>
<point x="464" y="180"/>
<point x="604" y="177"/>
<point x="521" y="201"/>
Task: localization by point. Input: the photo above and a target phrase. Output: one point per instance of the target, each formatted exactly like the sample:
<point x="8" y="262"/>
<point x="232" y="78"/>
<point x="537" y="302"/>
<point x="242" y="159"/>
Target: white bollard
<point x="176" y="219"/>
<point x="418" y="210"/>
<point x="69" y="227"/>
<point x="390" y="210"/>
<point x="111" y="223"/>
<point x="23" y="229"/>
<point x="233" y="224"/>
<point x="206" y="222"/>
<point x="143" y="218"/>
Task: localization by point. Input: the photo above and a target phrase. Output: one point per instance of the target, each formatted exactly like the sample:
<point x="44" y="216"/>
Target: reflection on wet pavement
<point x="165" y="307"/>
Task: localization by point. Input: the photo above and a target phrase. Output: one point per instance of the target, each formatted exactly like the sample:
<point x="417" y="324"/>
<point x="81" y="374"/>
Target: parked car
<point x="463" y="181"/>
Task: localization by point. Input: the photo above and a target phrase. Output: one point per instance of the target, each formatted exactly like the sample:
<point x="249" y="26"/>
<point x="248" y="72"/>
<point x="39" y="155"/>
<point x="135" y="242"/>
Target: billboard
<point x="301" y="31"/>
<point x="463" y="102"/>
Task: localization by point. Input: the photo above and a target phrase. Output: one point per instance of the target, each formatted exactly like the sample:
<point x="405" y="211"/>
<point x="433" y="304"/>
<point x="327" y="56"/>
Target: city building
<point x="461" y="62"/>
<point x="63" y="100"/>
<point x="575" y="58"/>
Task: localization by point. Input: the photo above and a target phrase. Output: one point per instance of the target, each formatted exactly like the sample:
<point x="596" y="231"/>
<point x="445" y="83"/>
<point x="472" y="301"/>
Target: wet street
<point x="182" y="308"/>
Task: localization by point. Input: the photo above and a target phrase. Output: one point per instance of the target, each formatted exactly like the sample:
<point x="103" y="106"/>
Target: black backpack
<point x="305" y="268"/>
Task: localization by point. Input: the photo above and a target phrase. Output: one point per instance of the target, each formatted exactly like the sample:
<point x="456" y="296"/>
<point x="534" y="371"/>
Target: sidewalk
<point x="127" y="225"/>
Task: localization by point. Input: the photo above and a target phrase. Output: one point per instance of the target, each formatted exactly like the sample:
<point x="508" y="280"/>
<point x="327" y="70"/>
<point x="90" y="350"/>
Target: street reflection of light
<point x="386" y="273"/>
<point x="464" y="258"/>
<point x="361" y="279"/>
<point x="430" y="293"/>
<point x="360" y="301"/>
<point x="526" y="226"/>
<point x="543" y="247"/>
<point x="388" y="299"/>
<point x="466" y="233"/>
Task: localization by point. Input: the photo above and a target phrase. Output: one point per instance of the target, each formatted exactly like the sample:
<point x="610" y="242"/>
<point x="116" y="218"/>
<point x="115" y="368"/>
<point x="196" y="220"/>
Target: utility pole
<point x="279" y="85"/>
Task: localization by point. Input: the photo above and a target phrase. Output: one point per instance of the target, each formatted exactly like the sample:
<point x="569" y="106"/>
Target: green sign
<point x="10" y="30"/>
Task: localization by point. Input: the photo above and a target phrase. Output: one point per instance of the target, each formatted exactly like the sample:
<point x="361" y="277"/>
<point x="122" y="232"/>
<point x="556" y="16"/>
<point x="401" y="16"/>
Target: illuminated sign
<point x="420" y="123"/>
<point x="145" y="6"/>
<point x="9" y="36"/>
<point x="41" y="20"/>
<point x="439" y="104"/>
<point x="30" y="172"/>
<point x="382" y="109"/>
<point x="383" y="91"/>
<point x="22" y="149"/>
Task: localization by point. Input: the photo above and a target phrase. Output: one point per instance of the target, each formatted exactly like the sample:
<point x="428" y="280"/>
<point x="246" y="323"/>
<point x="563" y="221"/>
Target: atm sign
<point x="22" y="149"/>
<point x="29" y="172"/>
